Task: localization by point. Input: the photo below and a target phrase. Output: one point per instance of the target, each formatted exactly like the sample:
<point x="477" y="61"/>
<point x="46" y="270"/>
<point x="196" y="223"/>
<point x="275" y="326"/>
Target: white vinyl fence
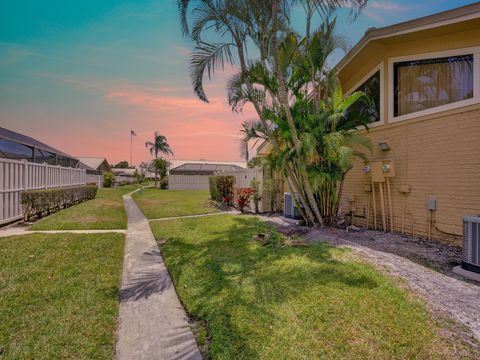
<point x="244" y="177"/>
<point x="188" y="182"/>
<point x="17" y="176"/>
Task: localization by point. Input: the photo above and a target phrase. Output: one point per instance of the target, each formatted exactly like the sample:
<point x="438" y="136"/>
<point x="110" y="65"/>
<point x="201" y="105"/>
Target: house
<point x="124" y="175"/>
<point x="194" y="174"/>
<point x="425" y="77"/>
<point x="423" y="173"/>
<point x="29" y="164"/>
<point x="95" y="168"/>
<point x="177" y="162"/>
<point x="99" y="164"/>
<point x="16" y="146"/>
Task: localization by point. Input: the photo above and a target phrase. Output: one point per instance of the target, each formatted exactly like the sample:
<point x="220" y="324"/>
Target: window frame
<point x="433" y="55"/>
<point x="379" y="68"/>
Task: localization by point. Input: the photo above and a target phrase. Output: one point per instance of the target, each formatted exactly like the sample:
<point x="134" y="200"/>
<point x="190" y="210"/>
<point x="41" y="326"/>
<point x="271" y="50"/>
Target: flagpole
<point x="131" y="134"/>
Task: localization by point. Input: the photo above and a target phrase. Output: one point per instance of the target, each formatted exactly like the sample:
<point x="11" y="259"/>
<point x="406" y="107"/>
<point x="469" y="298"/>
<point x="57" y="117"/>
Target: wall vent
<point x="471" y="243"/>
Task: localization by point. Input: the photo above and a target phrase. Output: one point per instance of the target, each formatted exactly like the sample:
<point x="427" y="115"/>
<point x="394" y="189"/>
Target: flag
<point x="132" y="133"/>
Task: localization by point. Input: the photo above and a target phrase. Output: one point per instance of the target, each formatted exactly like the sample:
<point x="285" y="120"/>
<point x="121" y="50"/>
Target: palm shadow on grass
<point x="229" y="271"/>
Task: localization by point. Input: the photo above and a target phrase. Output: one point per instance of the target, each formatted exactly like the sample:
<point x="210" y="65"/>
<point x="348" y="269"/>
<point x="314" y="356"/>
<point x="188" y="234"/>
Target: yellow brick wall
<point x="436" y="155"/>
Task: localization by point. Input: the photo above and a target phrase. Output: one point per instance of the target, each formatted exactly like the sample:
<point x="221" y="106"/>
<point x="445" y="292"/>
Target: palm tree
<point x="159" y="145"/>
<point x="251" y="130"/>
<point x="264" y="81"/>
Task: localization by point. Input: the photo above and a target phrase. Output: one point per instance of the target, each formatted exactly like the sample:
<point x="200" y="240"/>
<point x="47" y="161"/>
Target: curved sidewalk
<point x="152" y="322"/>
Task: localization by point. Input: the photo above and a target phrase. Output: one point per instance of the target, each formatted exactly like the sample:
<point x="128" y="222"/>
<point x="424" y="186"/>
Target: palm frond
<point x="205" y="59"/>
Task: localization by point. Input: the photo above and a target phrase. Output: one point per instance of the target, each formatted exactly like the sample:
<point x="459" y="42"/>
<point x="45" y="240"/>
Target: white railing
<point x="17" y="176"/>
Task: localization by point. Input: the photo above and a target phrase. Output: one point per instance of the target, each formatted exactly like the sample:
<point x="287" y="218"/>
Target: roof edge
<point x="456" y="15"/>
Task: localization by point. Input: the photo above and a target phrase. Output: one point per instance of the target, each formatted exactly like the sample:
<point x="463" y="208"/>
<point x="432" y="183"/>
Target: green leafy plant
<point x="214" y="193"/>
<point x="108" y="179"/>
<point x="225" y="186"/>
<point x="164" y="182"/>
<point x="139" y="178"/>
<point x="284" y="73"/>
<point x="243" y="197"/>
<point x="257" y="196"/>
<point x="40" y="202"/>
<point x="271" y="188"/>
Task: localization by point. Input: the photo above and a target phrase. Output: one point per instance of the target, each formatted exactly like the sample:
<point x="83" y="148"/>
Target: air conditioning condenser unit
<point x="289" y="208"/>
<point x="471" y="244"/>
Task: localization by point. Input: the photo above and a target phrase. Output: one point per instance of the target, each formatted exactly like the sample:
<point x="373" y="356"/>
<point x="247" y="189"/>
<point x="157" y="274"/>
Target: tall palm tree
<point x="159" y="145"/>
<point x="240" y="24"/>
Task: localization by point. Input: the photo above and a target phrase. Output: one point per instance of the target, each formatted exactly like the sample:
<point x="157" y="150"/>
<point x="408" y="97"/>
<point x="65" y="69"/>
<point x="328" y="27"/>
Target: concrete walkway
<point x="13" y="231"/>
<point x="152" y="322"/>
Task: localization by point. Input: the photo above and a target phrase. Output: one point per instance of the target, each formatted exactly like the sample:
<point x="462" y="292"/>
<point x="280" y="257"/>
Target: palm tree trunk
<point x="290" y="174"/>
<point x="285" y="104"/>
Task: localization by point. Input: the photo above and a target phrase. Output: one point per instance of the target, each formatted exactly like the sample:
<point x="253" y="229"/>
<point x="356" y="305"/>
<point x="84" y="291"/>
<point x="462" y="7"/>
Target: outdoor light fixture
<point x="384" y="145"/>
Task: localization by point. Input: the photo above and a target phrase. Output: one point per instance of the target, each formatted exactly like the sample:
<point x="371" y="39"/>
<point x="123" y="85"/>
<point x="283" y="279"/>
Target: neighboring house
<point x="28" y="164"/>
<point x="17" y="146"/>
<point x="95" y="167"/>
<point x="424" y="78"/>
<point x="176" y="163"/>
<point x="124" y="175"/>
<point x="99" y="164"/>
<point x="194" y="175"/>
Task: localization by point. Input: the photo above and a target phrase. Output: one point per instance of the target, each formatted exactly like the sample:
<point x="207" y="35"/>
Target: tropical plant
<point x="288" y="69"/>
<point x="257" y="194"/>
<point x="225" y="186"/>
<point x="164" y="182"/>
<point x="161" y="165"/>
<point x="214" y="192"/>
<point x="159" y="145"/>
<point x="108" y="179"/>
<point x="243" y="197"/>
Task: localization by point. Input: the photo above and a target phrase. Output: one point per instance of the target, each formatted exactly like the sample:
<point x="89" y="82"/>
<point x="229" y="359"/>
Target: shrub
<point x="164" y="183"/>
<point x="243" y="197"/>
<point x="214" y="193"/>
<point x="39" y="202"/>
<point x="271" y="189"/>
<point x="225" y="188"/>
<point x="108" y="179"/>
<point x="257" y="197"/>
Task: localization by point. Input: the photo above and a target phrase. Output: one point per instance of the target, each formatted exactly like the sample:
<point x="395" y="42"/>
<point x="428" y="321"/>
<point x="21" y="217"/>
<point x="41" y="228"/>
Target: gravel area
<point x="446" y="293"/>
<point x="425" y="266"/>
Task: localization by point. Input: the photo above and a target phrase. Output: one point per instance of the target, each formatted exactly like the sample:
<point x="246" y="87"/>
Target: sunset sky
<point x="79" y="74"/>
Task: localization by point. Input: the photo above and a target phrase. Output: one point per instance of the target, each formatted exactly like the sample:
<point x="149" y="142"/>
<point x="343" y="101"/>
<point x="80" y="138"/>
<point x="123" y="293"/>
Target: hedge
<point x="221" y="188"/>
<point x="38" y="202"/>
<point x="214" y="193"/>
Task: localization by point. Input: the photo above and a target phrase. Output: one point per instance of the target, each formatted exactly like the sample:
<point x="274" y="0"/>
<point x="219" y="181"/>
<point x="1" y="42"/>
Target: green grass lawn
<point x="106" y="211"/>
<point x="59" y="295"/>
<point x="313" y="302"/>
<point x="157" y="204"/>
